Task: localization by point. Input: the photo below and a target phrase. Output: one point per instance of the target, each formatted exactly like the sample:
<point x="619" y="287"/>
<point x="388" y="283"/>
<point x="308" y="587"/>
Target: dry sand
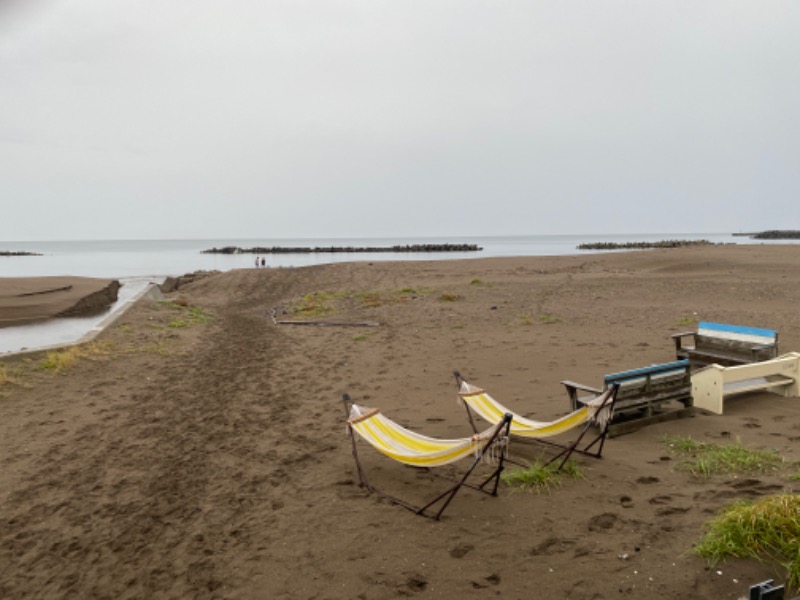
<point x="211" y="460"/>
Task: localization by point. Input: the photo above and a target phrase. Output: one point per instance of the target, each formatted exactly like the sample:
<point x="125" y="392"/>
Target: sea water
<point x="158" y="258"/>
<point x="137" y="263"/>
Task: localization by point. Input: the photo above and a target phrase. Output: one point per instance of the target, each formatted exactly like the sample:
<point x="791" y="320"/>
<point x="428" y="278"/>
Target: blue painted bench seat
<point x="643" y="395"/>
<point x="726" y="345"/>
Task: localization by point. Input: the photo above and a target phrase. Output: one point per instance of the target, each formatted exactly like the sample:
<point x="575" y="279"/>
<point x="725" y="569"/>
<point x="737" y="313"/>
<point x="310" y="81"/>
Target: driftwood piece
<point x="48" y="291"/>
<point x="331" y="323"/>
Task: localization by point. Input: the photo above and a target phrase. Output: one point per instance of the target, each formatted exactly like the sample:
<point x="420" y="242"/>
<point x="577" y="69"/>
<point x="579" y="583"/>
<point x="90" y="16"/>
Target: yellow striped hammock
<point x="597" y="411"/>
<point x="411" y="448"/>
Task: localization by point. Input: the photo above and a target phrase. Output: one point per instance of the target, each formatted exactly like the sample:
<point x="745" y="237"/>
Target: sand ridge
<point x="211" y="461"/>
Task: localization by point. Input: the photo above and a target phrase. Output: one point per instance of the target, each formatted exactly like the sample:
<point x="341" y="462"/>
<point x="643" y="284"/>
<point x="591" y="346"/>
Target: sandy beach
<point x="198" y="449"/>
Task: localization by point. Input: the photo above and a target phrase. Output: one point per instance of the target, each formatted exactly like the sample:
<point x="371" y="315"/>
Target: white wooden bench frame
<point x="779" y="375"/>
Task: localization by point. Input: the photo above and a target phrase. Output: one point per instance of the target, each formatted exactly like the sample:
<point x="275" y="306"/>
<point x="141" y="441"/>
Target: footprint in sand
<point x="603" y="522"/>
<point x="492" y="579"/>
<point x="647" y="479"/>
<point x="461" y="550"/>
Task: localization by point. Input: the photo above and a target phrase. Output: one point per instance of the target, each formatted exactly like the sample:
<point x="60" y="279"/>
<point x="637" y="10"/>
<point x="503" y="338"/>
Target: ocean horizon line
<point x="376" y="237"/>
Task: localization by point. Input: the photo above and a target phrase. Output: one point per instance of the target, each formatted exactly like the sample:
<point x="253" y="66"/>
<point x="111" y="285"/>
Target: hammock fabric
<point x="597" y="410"/>
<point x="410" y="448"/>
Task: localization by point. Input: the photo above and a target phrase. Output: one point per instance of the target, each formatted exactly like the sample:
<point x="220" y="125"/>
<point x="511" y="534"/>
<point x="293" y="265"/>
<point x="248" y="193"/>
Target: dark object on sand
<point x="766" y="591"/>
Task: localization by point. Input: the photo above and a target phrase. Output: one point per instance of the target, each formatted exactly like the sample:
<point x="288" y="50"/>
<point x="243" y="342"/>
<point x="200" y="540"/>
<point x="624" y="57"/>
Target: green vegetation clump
<point x="476" y="282"/>
<point x="703" y="460"/>
<point x="188" y="315"/>
<point x="313" y="304"/>
<point x="767" y="530"/>
<point x="6" y="377"/>
<point x="61" y="360"/>
<point x="449" y="297"/>
<point x="548" y="319"/>
<point x="319" y="304"/>
<point x="540" y="478"/>
<point x="685" y="321"/>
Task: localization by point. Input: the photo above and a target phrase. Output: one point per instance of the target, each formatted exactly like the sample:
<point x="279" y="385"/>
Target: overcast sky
<point x="326" y="118"/>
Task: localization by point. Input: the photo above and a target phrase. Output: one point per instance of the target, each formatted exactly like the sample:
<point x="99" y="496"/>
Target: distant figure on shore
<point x="263" y="263"/>
<point x="256" y="262"/>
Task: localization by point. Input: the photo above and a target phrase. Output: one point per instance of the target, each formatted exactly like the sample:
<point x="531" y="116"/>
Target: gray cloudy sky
<point x="315" y="118"/>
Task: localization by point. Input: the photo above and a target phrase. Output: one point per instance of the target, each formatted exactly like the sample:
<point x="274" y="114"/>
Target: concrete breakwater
<point x="346" y="249"/>
<point x="643" y="245"/>
<point x="776" y="234"/>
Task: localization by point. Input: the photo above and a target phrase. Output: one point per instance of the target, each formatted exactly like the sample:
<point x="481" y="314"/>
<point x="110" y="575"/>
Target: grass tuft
<point x="704" y="460"/>
<point x="548" y="319"/>
<point x="449" y="297"/>
<point x="540" y="478"/>
<point x="6" y="377"/>
<point x="60" y="360"/>
<point x="767" y="530"/>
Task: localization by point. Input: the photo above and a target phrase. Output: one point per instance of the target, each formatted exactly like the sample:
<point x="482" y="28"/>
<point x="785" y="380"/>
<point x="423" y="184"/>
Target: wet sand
<point x="26" y="300"/>
<point x="191" y="458"/>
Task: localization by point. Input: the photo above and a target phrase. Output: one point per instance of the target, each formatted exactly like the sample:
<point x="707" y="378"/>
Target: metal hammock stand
<point x="475" y="446"/>
<point x="532" y="432"/>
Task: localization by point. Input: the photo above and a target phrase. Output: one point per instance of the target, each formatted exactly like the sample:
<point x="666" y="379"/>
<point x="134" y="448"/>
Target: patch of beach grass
<point x="526" y="319"/>
<point x="686" y="321"/>
<point x="476" y="282"/>
<point x="188" y="316"/>
<point x="7" y="377"/>
<point x="60" y="360"/>
<point x="548" y="319"/>
<point x="361" y="337"/>
<point x="450" y="297"/>
<point x="767" y="530"/>
<point x="314" y="304"/>
<point x="540" y="478"/>
<point x="318" y="304"/>
<point x="704" y="460"/>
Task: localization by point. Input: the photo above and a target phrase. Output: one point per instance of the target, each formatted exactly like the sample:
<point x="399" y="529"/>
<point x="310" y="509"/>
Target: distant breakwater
<point x="776" y="234"/>
<point x="9" y="253"/>
<point x="643" y="245"/>
<point x="346" y="249"/>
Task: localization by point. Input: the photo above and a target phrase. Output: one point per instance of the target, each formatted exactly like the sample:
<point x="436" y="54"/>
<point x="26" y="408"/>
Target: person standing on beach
<point x="256" y="262"/>
<point x="263" y="263"/>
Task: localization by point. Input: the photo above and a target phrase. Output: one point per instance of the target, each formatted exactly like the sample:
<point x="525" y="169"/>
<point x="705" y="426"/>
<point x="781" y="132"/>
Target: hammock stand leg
<point x="362" y="475"/>
<point x="495" y="476"/>
<point x="459" y="379"/>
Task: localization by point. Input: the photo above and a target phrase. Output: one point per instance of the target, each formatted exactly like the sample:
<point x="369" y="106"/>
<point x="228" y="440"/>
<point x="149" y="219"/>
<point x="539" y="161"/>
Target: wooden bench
<point x="642" y="395"/>
<point x="726" y="345"/>
<point x="711" y="384"/>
